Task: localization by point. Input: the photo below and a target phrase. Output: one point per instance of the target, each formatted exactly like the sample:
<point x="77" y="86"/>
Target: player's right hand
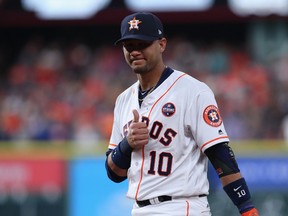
<point x="251" y="212"/>
<point x="138" y="132"/>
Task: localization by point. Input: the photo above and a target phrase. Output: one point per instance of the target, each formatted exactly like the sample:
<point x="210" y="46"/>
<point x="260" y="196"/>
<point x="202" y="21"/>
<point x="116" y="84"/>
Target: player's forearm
<point x="117" y="170"/>
<point x="236" y="188"/>
<point x="114" y="173"/>
<point x="225" y="180"/>
<point x="118" y="161"/>
<point x="224" y="162"/>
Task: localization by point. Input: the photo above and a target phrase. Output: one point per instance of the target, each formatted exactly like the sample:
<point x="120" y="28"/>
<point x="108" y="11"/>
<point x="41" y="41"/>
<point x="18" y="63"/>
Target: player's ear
<point x="162" y="43"/>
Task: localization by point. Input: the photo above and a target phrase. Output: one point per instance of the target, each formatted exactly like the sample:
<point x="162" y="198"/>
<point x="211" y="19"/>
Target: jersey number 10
<point x="164" y="166"/>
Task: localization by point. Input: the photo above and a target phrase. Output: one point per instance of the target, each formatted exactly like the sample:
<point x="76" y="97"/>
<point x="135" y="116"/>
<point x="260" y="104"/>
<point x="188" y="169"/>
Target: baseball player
<point x="166" y="127"/>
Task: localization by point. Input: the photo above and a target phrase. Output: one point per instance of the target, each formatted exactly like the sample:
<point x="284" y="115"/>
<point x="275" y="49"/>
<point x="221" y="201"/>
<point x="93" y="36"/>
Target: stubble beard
<point x="141" y="70"/>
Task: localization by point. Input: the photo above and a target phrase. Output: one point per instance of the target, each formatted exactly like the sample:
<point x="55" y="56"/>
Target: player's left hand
<point x="251" y="212"/>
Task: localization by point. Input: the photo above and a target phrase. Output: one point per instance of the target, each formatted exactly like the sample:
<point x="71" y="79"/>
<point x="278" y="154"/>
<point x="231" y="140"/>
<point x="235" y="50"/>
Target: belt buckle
<point x="154" y="201"/>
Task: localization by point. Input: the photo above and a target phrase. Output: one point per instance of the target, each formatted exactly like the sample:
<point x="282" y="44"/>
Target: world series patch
<point x="168" y="109"/>
<point x="212" y="116"/>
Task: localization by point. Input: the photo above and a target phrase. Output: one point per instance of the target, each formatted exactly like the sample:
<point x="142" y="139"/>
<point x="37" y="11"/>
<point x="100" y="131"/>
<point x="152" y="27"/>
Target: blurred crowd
<point x="66" y="91"/>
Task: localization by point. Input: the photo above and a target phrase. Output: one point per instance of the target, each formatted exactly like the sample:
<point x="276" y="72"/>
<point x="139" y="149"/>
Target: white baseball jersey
<point x="183" y="121"/>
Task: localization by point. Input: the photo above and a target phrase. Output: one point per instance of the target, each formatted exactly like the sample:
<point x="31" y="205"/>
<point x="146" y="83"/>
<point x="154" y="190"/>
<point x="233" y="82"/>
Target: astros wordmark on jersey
<point x="180" y="105"/>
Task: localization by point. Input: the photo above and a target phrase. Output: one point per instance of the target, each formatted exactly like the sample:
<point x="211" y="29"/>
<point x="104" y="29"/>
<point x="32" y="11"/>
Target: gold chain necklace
<point x="149" y="92"/>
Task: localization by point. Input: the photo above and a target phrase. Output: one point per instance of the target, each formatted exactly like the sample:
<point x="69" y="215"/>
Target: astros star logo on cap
<point x="134" y="23"/>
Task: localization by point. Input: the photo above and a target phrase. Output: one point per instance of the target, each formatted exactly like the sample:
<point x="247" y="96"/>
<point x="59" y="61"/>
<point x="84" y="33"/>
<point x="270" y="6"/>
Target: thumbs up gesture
<point x="135" y="115"/>
<point x="138" y="132"/>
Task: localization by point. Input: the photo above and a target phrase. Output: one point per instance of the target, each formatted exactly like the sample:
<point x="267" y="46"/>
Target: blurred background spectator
<point x="60" y="82"/>
<point x="55" y="90"/>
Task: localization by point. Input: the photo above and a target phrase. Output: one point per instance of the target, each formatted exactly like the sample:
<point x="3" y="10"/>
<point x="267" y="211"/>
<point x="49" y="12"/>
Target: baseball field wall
<point x="59" y="179"/>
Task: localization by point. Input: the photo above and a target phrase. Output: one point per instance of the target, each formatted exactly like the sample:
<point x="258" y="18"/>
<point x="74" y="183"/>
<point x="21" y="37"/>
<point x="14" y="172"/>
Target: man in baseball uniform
<point x="166" y="127"/>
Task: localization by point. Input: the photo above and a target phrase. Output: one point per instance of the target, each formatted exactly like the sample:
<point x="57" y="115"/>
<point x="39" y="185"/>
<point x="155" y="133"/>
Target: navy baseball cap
<point x="142" y="26"/>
